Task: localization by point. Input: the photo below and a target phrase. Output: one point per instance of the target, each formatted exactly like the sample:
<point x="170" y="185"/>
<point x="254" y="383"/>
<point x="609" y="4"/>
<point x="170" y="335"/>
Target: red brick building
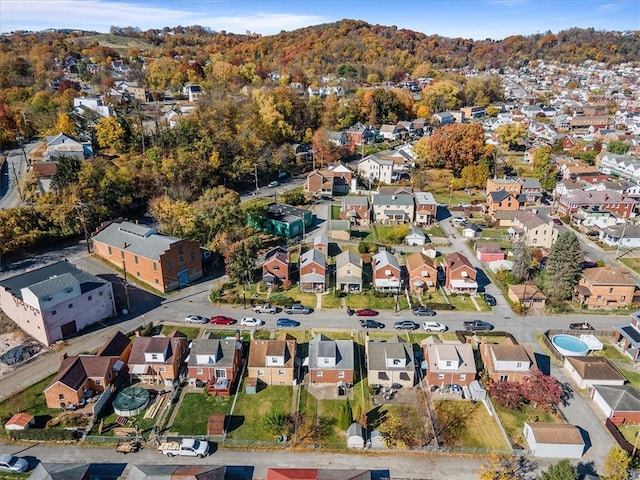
<point x="460" y="274"/>
<point x="331" y="361"/>
<point x="215" y="362"/>
<point x="276" y="268"/>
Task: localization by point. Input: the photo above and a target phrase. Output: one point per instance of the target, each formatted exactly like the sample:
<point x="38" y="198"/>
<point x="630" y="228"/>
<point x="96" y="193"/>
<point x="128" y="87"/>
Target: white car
<point x="273" y="184"/>
<point x="458" y="219"/>
<point x="251" y="322"/>
<point x="196" y="319"/>
<point x="434" y="327"/>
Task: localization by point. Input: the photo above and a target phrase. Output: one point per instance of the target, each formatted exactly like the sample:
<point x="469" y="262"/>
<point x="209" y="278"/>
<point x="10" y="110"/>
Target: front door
<point x="183" y="278"/>
<point x="68" y="329"/>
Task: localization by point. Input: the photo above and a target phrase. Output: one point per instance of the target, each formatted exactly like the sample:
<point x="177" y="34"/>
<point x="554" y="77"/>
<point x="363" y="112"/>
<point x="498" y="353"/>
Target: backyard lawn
<point x="632" y="263"/>
<point x="191" y="332"/>
<point x="481" y="430"/>
<point x="194" y="412"/>
<point x="513" y="421"/>
<point x="31" y="400"/>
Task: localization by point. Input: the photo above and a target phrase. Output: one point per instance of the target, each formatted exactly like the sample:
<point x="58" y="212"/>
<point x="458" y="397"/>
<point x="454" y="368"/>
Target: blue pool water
<point x="568" y="345"/>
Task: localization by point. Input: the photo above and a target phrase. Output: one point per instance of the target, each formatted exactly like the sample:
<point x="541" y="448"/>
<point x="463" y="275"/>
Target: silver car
<point x="196" y="319"/>
<point x="11" y="464"/>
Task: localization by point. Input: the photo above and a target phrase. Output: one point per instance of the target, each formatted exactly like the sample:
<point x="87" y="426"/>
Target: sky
<point x="474" y="19"/>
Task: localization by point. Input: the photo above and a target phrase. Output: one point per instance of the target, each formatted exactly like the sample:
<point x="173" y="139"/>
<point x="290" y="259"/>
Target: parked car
<point x="423" y="312"/>
<point x="477" y="326"/>
<point x="581" y="326"/>
<point x="557" y="221"/>
<point x="251" y="322"/>
<point x="490" y="299"/>
<point x="592" y="233"/>
<point x="350" y="311"/>
<point x="189" y="447"/>
<point x="287" y="322"/>
<point x="297" y="308"/>
<point x="12" y="464"/>
<point x="459" y="219"/>
<point x="406" y="325"/>
<point x="264" y="308"/>
<point x="196" y="319"/>
<point x="366" y="312"/>
<point x="371" y="324"/>
<point x="222" y="320"/>
<point x="273" y="184"/>
<point x="434" y="327"/>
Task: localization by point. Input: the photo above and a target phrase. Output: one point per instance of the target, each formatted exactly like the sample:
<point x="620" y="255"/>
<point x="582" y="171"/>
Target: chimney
<point x="137" y="333"/>
<point x="64" y="356"/>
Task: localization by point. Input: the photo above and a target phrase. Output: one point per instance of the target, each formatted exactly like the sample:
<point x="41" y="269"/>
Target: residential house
<point x="605" y="287"/>
<point x="472" y="230"/>
<point x="390" y="362"/>
<point x="415" y="236"/>
<point x="506" y="362"/>
<point x="317" y="474"/>
<point x="531" y="189"/>
<point x="57" y="301"/>
<point x="422" y="273"/>
<point x="93" y="104"/>
<point x="628" y="337"/>
<point x="625" y="237"/>
<point x="556" y="440"/>
<point x="43" y="173"/>
<point x="170" y="472"/>
<point x="61" y="145"/>
<point x="449" y="363"/>
<point x="426" y="208"/>
<point x="593" y="217"/>
<point x="336" y="180"/>
<point x="528" y="295"/>
<point x="331" y="361"/>
<point x="215" y="363"/>
<point x="589" y="371"/>
<point x="283" y="220"/>
<point x="473" y="112"/>
<point x="321" y="243"/>
<point x="356" y="210"/>
<point x="313" y="271"/>
<point x="615" y="202"/>
<point x="444" y="118"/>
<point x="460" y="274"/>
<point x="118" y="345"/>
<point x="387" y="275"/>
<point x="393" y="209"/>
<point x="349" y="271"/>
<point x="193" y="92"/>
<point x="339" y="139"/>
<point x="373" y="169"/>
<point x="533" y="230"/>
<point x="619" y="403"/>
<point x="162" y="261"/>
<point x="276" y="268"/>
<point x="509" y="185"/>
<point x="360" y="134"/>
<point x="158" y="359"/>
<point x="503" y="200"/>
<point x="589" y="123"/>
<point x="390" y="132"/>
<point x="273" y="361"/>
<point x="489" y="252"/>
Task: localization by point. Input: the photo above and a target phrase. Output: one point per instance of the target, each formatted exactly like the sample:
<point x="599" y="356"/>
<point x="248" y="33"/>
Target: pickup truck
<point x="188" y="447"/>
<point x="477" y="325"/>
<point x="296" y="308"/>
<point x="265" y="308"/>
<point x="580" y="326"/>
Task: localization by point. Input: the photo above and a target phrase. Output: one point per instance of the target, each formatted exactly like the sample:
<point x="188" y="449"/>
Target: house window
<point x="281" y="373"/>
<point x="135" y="259"/>
<point x="313" y="270"/>
<point x="448" y="363"/>
<point x="221" y="373"/>
<point x="54" y="312"/>
<point x="519" y="365"/>
<point x="137" y="274"/>
<point x="155" y="266"/>
<point x="71" y="305"/>
<point x="181" y="259"/>
<point x="326" y="361"/>
<point x="276" y="267"/>
<point x="396" y="361"/>
<point x="98" y="382"/>
<point x="348" y="272"/>
<point x="598" y="298"/>
<point x="109" y="248"/>
<point x="199" y="371"/>
<point x="180" y="251"/>
<point x="340" y="374"/>
<point x="504" y="378"/>
<point x="441" y="376"/>
<point x="623" y="298"/>
<point x="90" y="298"/>
<point x="161" y="369"/>
<point x="274" y="359"/>
<point x="463" y="376"/>
<point x="261" y="373"/>
<point x="154" y="356"/>
<point x="193" y="257"/>
<point x="611" y="290"/>
<point x="61" y="397"/>
<point x="100" y="294"/>
<point x="157" y="282"/>
<point x="319" y="373"/>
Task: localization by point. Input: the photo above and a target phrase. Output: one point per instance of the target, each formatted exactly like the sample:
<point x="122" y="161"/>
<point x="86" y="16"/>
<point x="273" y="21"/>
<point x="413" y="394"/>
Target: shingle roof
<point x="621" y="398"/>
<point x="115" y="345"/>
<point x="260" y="349"/>
<point x="607" y="276"/>
<point x="341" y="350"/>
<point x="594" y="368"/>
<point x="140" y="239"/>
<point x="556" y="433"/>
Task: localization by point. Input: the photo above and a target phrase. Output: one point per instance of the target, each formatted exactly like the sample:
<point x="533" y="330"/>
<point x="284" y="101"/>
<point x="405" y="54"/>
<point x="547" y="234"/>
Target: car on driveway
<point x="423" y="312"/>
<point x="490" y="299"/>
<point x="459" y="219"/>
<point x="196" y="319"/>
<point x="557" y="221"/>
<point x="13" y="464"/>
<point x="366" y="312"/>
<point x="371" y="324"/>
<point x="251" y="322"/>
<point x="287" y="322"/>
<point x="222" y="320"/>
<point x="477" y="326"/>
<point x="434" y="327"/>
<point x="406" y="325"/>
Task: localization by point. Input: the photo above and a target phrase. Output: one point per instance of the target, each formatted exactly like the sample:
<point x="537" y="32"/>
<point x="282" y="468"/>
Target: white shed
<point x="556" y="440"/>
<point x="415" y="236"/>
<point x="356" y="436"/>
<point x="20" y="421"/>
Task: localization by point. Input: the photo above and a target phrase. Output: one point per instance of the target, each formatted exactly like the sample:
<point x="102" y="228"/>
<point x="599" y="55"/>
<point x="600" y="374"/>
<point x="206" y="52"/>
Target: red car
<point x="222" y="320"/>
<point x="366" y="312"/>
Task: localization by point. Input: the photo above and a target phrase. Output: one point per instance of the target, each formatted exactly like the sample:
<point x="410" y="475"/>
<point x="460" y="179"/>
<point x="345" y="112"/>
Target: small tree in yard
<point x="616" y="465"/>
<point x="346" y="416"/>
<point x="500" y="467"/>
<point x="521" y="260"/>
<point x="563" y="267"/>
<point x="542" y="391"/>
<point x="276" y="423"/>
<point x="563" y="470"/>
<point x="508" y="394"/>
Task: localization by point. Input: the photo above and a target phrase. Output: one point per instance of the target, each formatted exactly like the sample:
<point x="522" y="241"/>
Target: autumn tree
<point x="542" y="391"/>
<point x="616" y="465"/>
<point x="618" y="147"/>
<point x="452" y="420"/>
<point x="65" y="125"/>
<point x="275" y="422"/>
<point x="543" y="168"/>
<point x="440" y="96"/>
<point x="452" y="147"/>
<point x="324" y="150"/>
<point x="475" y="175"/>
<point x="507" y="394"/>
<point x="500" y="467"/>
<point x="110" y="134"/>
<point x="240" y="260"/>
<point x="67" y="169"/>
<point x="563" y="267"/>
<point x="403" y="429"/>
<point x="398" y="233"/>
<point x="511" y="134"/>
<point x="174" y="217"/>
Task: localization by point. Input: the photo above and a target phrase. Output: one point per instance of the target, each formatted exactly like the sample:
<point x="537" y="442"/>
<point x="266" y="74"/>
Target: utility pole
<point x="255" y="176"/>
<point x="126" y="285"/>
<point x="83" y="219"/>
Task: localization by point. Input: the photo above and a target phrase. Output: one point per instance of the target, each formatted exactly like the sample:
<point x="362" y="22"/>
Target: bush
<point x="44" y="435"/>
<point x="441" y="306"/>
<point x="363" y="247"/>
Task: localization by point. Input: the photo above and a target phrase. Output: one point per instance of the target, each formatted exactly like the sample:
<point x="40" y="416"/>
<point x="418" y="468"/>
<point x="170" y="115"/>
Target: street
<point x="12" y="173"/>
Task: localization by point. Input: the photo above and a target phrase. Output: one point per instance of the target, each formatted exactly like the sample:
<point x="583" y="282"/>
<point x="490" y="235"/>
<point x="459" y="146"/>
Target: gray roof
<point x="341" y="350"/>
<point x="341" y="225"/>
<point x="77" y="471"/>
<point x="378" y="352"/>
<point x="621" y="398"/>
<point x="413" y="230"/>
<point x="313" y="256"/>
<point x="424" y="198"/>
<point x="140" y="239"/>
<point x="53" y="284"/>
<point x="531" y="183"/>
<point x="347" y="257"/>
<point x="392" y="200"/>
<point x="46" y="279"/>
<point x="357" y="200"/>
<point x="223" y="350"/>
<point x="376" y="159"/>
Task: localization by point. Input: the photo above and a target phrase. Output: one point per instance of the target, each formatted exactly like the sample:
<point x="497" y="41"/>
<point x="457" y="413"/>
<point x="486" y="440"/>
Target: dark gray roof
<point x="52" y="285"/>
<point x="378" y="352"/>
<point x="341" y="350"/>
<point x="169" y="472"/>
<point x="621" y="398"/>
<point x="78" y="471"/>
<point x="140" y="239"/>
<point x="51" y="272"/>
<point x="392" y="200"/>
<point x="223" y="350"/>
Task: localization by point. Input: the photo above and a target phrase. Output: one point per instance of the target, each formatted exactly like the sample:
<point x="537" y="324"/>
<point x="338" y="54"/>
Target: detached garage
<point x="620" y="403"/>
<point x="555" y="440"/>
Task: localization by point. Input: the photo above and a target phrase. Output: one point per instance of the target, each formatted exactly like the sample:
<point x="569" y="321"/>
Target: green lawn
<point x="246" y="421"/>
<point x="335" y="212"/>
<point x="630" y="432"/>
<point x="465" y="304"/>
<point x="482" y="431"/>
<point x="109" y="423"/>
<point x="331" y="301"/>
<point x="194" y="412"/>
<point x="632" y="263"/>
<point x="513" y="421"/>
<point x="30" y="400"/>
<point x="191" y="332"/>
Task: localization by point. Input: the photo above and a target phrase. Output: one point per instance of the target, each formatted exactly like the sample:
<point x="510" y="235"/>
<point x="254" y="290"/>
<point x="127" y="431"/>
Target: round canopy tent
<point x="131" y="401"/>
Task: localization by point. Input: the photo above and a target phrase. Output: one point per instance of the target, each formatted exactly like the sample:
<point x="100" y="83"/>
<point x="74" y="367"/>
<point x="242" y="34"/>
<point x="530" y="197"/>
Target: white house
<point x="375" y="169"/>
<point x="92" y="103"/>
<point x="555" y="440"/>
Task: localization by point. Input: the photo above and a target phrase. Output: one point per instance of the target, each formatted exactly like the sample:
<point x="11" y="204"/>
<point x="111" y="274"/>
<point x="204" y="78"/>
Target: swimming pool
<point x="569" y="346"/>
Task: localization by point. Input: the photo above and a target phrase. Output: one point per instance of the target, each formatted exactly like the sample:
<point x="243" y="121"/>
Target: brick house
<point x="158" y="359"/>
<point x="319" y="184"/>
<point x="216" y="363"/>
<point x="273" y="361"/>
<point x="422" y="273"/>
<point x="615" y="202"/>
<point x="331" y="361"/>
<point x="390" y="362"/>
<point x="118" y="345"/>
<point x="56" y="301"/>
<point x="426" y="208"/>
<point x="504" y="201"/>
<point x="531" y="189"/>
<point x="276" y="268"/>
<point x="460" y="274"/>
<point x="161" y="261"/>
<point x="387" y="275"/>
<point x="449" y="363"/>
<point x="605" y="287"/>
<point x="349" y="271"/>
<point x="509" y="185"/>
<point x="489" y="252"/>
<point x="507" y="362"/>
<point x="534" y="230"/>
<point x="313" y="271"/>
<point x="356" y="210"/>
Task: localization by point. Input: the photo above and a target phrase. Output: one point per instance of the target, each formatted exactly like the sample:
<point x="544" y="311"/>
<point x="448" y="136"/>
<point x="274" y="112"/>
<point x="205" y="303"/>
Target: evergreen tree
<point x="521" y="260"/>
<point x="563" y="470"/>
<point x="346" y="416"/>
<point x="563" y="267"/>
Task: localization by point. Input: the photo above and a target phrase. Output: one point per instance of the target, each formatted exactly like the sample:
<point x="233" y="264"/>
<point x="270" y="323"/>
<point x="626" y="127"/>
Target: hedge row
<point x="44" y="435"/>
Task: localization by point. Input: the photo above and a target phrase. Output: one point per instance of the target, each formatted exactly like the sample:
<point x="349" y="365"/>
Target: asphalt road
<point x="12" y="173"/>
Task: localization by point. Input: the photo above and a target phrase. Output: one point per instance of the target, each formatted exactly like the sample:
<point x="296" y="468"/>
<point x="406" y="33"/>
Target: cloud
<point x="608" y="7"/>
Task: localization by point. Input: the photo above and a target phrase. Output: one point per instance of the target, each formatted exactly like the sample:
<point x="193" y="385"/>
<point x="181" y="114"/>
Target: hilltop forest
<point x="249" y="118"/>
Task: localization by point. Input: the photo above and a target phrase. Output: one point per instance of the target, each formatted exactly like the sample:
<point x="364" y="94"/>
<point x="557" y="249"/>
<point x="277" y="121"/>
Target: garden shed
<point x="557" y="440"/>
<point x="356" y="436"/>
<point x="251" y="386"/>
<point x="215" y="424"/>
<point x="20" y="421"/>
